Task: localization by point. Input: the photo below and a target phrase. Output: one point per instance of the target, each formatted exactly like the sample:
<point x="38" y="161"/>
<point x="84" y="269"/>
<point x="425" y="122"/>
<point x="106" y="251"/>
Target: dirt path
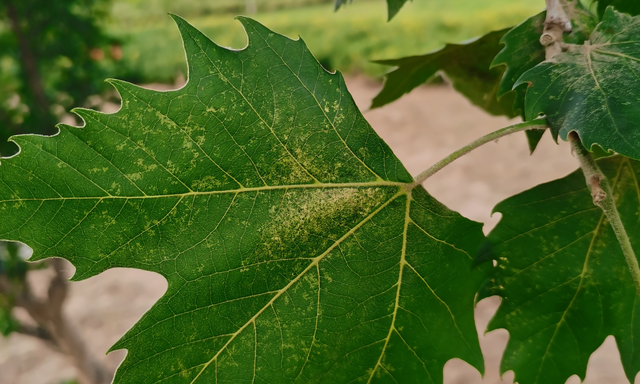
<point x="421" y="128"/>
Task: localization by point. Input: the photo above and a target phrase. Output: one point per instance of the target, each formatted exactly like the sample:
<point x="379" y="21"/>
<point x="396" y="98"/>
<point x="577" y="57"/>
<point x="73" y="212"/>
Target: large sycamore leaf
<point x="465" y="65"/>
<point x="295" y="247"/>
<point x="592" y="88"/>
<point x="393" y="6"/>
<point x="564" y="282"/>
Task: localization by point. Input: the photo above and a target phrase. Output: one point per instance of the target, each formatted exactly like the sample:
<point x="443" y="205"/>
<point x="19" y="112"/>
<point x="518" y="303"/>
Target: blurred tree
<point x="53" y="55"/>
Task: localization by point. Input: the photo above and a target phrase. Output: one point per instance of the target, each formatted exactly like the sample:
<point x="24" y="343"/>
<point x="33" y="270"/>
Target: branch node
<point x="547" y="39"/>
<point x="597" y="192"/>
<point x="556" y="23"/>
<point x="602" y="195"/>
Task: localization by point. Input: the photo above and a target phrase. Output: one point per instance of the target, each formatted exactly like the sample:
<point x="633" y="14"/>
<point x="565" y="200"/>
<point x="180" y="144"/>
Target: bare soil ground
<point x="421" y="128"/>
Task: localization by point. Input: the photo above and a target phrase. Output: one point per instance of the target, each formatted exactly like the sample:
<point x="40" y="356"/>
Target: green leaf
<point x="564" y="282"/>
<point x="465" y="65"/>
<point x="295" y="246"/>
<point x="590" y="89"/>
<point x="631" y="7"/>
<point x="393" y="6"/>
<point x="583" y="23"/>
<point x="523" y="51"/>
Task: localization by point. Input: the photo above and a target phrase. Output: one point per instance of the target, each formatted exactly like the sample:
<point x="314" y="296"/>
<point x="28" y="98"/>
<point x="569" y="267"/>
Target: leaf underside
<point x="564" y="282"/>
<point x="465" y="65"/>
<point x="293" y="248"/>
<point x="591" y="89"/>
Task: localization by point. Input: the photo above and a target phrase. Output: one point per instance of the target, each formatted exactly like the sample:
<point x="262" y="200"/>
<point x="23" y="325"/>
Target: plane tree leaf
<point x="592" y="88"/>
<point x="465" y="65"/>
<point x="295" y="246"/>
<point x="523" y="51"/>
<point x="562" y="277"/>
<point x="393" y="6"/>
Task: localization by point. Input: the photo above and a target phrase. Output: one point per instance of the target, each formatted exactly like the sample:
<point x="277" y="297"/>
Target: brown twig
<point x="555" y="25"/>
<point x="53" y="326"/>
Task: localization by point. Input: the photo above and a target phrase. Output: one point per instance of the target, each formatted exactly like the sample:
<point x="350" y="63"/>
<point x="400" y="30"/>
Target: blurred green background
<point x="346" y="40"/>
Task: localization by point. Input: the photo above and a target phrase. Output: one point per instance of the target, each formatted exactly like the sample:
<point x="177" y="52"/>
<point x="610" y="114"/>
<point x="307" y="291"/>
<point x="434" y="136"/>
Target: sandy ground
<point x="421" y="128"/>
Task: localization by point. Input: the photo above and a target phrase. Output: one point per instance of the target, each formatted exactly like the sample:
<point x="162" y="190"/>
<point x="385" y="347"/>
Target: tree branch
<point x="29" y="62"/>
<point x="49" y="315"/>
<point x="603" y="197"/>
<point x="556" y="23"/>
<point x="39" y="333"/>
<point x="540" y="123"/>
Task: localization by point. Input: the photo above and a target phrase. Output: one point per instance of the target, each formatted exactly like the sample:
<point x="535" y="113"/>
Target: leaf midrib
<point x="314" y="263"/>
<point x="583" y="274"/>
<point x="396" y="305"/>
<point x="227" y="191"/>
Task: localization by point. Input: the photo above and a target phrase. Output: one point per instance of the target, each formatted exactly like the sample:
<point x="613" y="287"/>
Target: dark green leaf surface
<point x="465" y="65"/>
<point x="583" y="22"/>
<point x="293" y="247"/>
<point x="564" y="282"/>
<point x="393" y="6"/>
<point x="592" y="88"/>
<point x="522" y="51"/>
<point x="631" y="7"/>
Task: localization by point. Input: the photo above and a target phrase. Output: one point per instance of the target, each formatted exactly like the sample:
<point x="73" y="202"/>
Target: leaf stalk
<point x="540" y="123"/>
<point x="602" y="195"/>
